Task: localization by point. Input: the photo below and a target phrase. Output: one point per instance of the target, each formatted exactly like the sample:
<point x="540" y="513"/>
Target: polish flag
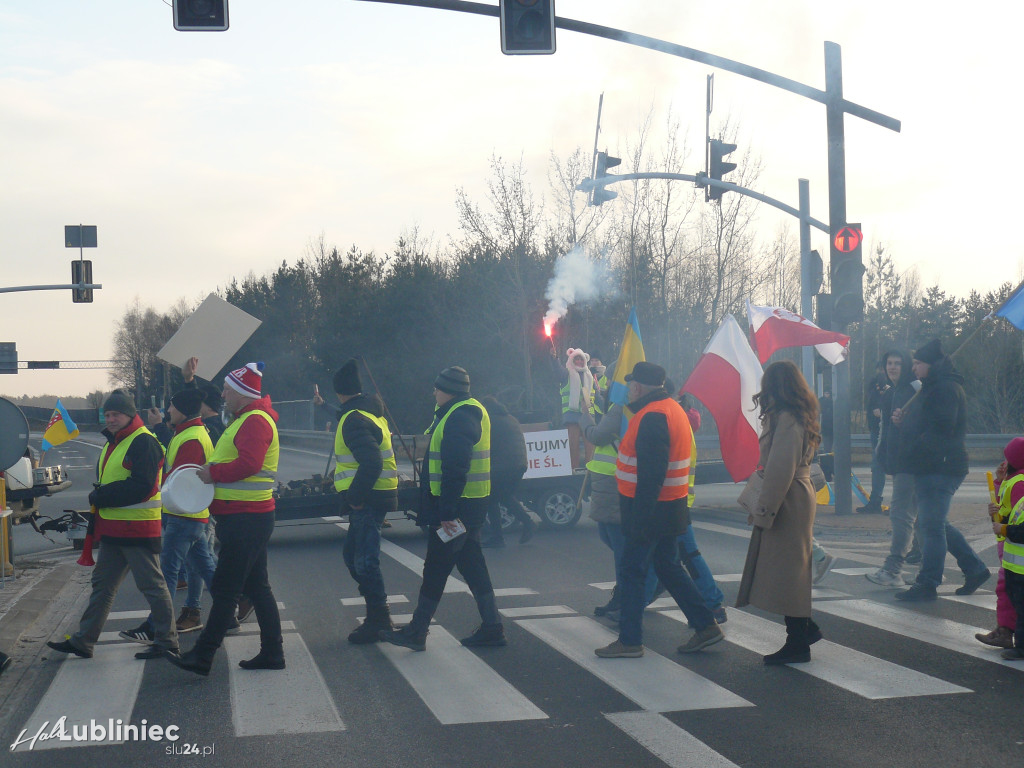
<point x="725" y="379"/>
<point x="774" y="328"/>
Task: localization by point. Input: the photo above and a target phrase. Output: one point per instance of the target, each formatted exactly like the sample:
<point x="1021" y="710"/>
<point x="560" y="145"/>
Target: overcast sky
<point x="203" y="156"/>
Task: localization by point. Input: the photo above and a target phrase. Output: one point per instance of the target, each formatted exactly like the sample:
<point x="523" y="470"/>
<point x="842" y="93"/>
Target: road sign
<point x="79" y="236"/>
<point x="848" y="238"/>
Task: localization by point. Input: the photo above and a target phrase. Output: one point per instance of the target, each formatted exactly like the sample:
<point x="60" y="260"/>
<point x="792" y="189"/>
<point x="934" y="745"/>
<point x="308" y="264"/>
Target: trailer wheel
<point x="558" y="508"/>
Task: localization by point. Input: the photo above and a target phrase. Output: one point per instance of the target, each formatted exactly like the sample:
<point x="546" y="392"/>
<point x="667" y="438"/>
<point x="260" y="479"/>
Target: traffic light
<point x="847" y="277"/>
<point x="8" y="357"/>
<point x="81" y="274"/>
<point x="603" y="194"/>
<point x="201" y="15"/>
<point x="717" y="168"/>
<point x="527" y="26"/>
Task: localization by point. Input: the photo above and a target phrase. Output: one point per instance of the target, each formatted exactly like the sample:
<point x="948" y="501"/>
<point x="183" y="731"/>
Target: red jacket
<point x="252" y="441"/>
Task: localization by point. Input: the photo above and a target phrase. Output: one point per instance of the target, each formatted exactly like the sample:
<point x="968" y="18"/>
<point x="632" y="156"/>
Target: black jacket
<point x="934" y="425"/>
<point x="894" y="397"/>
<point x="876" y="386"/>
<point x="643" y="516"/>
<point x="461" y="432"/>
<point x="363" y="438"/>
<point x="508" y="446"/>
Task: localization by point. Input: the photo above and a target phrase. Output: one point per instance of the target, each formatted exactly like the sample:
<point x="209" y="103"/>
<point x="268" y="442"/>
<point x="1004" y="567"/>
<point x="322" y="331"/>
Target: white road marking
<point x="817" y="593"/>
<point x="537" y="610"/>
<point x="127" y="615"/>
<point x="290" y="700"/>
<point x="667" y="741"/>
<point x="252" y="628"/>
<point x="602" y="585"/>
<point x="514" y="592"/>
<point x="918" y="626"/>
<point x="853" y="571"/>
<point x="652" y="681"/>
<point x="456" y="685"/>
<point x="392" y="599"/>
<point x="857" y="672"/>
<point x="979" y="599"/>
<point x="99" y="689"/>
<point x="743" y="533"/>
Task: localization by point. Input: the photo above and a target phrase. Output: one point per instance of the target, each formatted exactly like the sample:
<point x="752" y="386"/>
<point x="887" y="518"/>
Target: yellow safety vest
<point x="195" y="432"/>
<point x="345" y="466"/>
<point x="565" y="401"/>
<point x="478" y="480"/>
<point x="111" y="469"/>
<point x="257" y="487"/>
<point x="1005" y="507"/>
<point x="1013" y="553"/>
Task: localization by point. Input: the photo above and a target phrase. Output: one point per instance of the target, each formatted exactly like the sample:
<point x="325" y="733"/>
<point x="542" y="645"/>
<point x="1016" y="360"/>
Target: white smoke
<point x="577" y="279"/>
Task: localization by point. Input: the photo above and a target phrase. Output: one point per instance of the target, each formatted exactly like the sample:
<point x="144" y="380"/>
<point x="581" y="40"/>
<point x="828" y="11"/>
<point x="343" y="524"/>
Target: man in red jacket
<point x="127" y="500"/>
<point x="243" y="470"/>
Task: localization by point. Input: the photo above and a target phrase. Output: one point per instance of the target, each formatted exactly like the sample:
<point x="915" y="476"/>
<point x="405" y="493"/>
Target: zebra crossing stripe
<point x="392" y="600"/>
<point x="99" y="689"/>
<point x="857" y="672"/>
<point x="536" y="610"/>
<point x="652" y="681"/>
<point x="456" y="685"/>
<point x="667" y="741"/>
<point x="985" y="600"/>
<point x="918" y="626"/>
<point x="290" y="700"/>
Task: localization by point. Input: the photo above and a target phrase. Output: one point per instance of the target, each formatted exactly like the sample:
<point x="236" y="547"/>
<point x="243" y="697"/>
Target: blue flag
<point x="1012" y="310"/>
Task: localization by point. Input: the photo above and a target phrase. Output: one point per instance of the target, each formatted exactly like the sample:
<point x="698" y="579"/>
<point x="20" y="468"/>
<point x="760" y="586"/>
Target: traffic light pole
<point x="842" y="487"/>
<point x="806" y="294"/>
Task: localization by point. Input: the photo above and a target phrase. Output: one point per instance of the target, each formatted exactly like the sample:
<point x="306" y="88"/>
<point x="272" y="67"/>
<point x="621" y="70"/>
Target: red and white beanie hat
<point x="247" y="381"/>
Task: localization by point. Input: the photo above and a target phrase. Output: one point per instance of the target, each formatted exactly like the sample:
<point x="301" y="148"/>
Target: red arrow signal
<point x="848" y="239"/>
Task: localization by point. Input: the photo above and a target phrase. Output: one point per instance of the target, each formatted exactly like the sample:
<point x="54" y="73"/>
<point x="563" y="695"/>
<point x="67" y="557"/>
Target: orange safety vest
<point x="677" y="478"/>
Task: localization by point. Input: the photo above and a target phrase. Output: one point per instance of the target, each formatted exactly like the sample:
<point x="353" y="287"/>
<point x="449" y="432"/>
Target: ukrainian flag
<point x="60" y="429"/>
<point x="630" y="353"/>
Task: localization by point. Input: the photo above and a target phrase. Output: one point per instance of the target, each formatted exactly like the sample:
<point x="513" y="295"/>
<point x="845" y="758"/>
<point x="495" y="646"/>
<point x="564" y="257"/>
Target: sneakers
<point x="871" y="508"/>
<point x="1000" y="637"/>
<point x="190" y="661"/>
<point x="918" y="593"/>
<point x="406" y="637"/>
<point x="65" y="646"/>
<point x="613" y="604"/>
<point x="822" y="567"/>
<point x="619" y="651"/>
<point x="719" y="614"/>
<point x="142" y="634"/>
<point x="973" y="581"/>
<point x="234" y="626"/>
<point x="914" y="558"/>
<point x="1013" y="654"/>
<point x="244" y="608"/>
<point x="486" y="635"/>
<point x="885" y="578"/>
<point x="702" y="638"/>
<point x="189" y="620"/>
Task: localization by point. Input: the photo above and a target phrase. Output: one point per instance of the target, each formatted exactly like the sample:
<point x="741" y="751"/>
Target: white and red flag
<point x="725" y="379"/>
<point x="773" y="328"/>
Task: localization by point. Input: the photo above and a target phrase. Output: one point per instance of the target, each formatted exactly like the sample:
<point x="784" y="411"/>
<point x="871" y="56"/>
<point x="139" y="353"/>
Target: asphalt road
<point x="892" y="685"/>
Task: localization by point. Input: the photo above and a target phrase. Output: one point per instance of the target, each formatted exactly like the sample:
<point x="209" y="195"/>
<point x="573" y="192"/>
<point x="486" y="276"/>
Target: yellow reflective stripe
<point x="344" y="474"/>
<point x="388" y="473"/>
<point x="388" y="454"/>
<point x="1013" y="557"/>
<point x="344" y="458"/>
<point x="126" y="513"/>
<point x="605" y="457"/>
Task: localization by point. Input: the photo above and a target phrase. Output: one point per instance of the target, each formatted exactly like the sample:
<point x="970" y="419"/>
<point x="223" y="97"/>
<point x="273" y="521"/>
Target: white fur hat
<point x="571" y="353"/>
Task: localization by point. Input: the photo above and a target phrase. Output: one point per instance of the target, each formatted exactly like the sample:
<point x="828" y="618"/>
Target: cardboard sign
<point x="548" y="454"/>
<point x="213" y="333"/>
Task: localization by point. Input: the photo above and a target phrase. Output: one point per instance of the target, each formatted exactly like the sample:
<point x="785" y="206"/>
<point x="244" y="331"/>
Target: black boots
<point x="378" y="619"/>
<point x="800" y="633"/>
<point x="414" y="634"/>
<point x="613" y="604"/>
<point x="486" y="635"/>
<point x="271" y="656"/>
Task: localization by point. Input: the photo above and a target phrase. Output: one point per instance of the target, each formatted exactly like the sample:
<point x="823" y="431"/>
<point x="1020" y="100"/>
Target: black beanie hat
<point x="212" y="397"/>
<point x="119" y="401"/>
<point x="346" y="380"/>
<point x="930" y="353"/>
<point x="453" y="380"/>
<point x="188" y="402"/>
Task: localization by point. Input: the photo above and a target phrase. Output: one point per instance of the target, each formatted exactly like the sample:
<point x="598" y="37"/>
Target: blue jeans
<point x="698" y="569"/>
<point x="184" y="540"/>
<point x="638" y="555"/>
<point x="196" y="580"/>
<point x="934" y="494"/>
<point x="611" y="534"/>
<point x="362" y="554"/>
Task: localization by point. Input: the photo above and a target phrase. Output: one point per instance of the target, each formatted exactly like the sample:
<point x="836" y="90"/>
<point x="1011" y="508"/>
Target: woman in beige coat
<point x="777" y="573"/>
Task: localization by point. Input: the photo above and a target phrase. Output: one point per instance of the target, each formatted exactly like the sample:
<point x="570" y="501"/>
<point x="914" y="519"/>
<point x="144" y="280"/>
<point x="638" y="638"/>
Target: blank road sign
<point x="79" y="236"/>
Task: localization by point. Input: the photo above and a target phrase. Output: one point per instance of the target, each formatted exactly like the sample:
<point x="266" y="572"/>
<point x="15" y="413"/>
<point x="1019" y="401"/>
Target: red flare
<point x="86" y="558"/>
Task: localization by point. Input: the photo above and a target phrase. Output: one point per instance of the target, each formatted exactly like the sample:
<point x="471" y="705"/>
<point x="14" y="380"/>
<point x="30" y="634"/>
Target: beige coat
<point x="777" y="574"/>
